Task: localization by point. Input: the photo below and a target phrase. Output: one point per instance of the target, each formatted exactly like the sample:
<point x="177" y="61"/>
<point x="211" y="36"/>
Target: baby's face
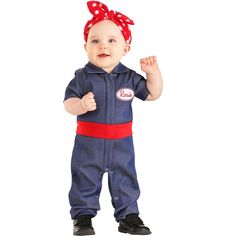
<point x="106" y="45"/>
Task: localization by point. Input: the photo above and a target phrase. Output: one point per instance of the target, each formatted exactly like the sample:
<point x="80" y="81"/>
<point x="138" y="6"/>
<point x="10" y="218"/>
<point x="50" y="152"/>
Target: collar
<point x="92" y="69"/>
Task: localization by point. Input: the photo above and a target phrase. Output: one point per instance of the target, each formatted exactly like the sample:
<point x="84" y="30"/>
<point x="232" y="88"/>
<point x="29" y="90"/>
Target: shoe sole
<point x="87" y="234"/>
<point x="84" y="234"/>
<point x="122" y="230"/>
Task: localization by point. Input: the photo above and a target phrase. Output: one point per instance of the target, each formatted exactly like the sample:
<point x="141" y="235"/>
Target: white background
<point x="185" y="141"/>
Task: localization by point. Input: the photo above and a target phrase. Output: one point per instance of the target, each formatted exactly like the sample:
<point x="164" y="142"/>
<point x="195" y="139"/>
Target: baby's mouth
<point x="103" y="55"/>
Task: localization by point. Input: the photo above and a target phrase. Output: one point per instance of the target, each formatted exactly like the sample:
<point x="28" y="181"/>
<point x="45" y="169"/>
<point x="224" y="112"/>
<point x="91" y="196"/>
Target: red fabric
<point x="101" y="12"/>
<point x="106" y="131"/>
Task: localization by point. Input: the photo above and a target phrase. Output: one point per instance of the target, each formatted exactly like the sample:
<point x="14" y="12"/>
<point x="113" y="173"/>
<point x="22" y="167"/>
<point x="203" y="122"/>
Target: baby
<point x="100" y="95"/>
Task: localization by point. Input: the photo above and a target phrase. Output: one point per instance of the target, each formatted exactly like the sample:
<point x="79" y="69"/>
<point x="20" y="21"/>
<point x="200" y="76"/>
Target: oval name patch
<point x="125" y="94"/>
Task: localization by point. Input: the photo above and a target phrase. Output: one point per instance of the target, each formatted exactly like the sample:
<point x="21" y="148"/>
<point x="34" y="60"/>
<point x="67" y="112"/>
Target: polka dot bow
<point x="101" y="12"/>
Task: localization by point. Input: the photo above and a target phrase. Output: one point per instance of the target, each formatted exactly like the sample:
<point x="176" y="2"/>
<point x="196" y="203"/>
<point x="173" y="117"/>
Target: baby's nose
<point x="102" y="45"/>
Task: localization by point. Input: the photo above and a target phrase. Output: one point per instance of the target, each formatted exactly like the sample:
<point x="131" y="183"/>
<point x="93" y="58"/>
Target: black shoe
<point x="83" y="226"/>
<point x="133" y="225"/>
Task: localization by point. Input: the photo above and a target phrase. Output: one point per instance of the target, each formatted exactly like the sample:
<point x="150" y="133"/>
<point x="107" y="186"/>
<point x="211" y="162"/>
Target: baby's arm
<point x="77" y="106"/>
<point x="154" y="79"/>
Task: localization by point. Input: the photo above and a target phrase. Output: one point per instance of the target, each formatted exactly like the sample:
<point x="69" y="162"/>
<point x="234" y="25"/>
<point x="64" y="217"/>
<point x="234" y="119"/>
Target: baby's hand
<point x="149" y="64"/>
<point x="88" y="102"/>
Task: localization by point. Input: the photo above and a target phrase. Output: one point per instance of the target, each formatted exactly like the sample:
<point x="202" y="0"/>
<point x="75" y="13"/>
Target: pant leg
<point x="123" y="183"/>
<point x="86" y="168"/>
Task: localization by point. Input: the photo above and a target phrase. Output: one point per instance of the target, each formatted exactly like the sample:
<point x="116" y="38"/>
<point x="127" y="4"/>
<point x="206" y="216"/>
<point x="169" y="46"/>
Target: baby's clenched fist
<point x="88" y="102"/>
<point x="149" y="64"/>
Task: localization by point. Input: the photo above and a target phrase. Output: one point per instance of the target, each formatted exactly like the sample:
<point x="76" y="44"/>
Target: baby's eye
<point x="94" y="41"/>
<point x="112" y="41"/>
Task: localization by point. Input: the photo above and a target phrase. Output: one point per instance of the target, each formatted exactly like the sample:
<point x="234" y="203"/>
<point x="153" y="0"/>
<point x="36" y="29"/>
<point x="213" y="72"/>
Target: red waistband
<point x="97" y="130"/>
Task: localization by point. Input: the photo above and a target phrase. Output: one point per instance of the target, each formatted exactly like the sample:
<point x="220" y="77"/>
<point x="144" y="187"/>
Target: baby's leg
<point x="86" y="168"/>
<point x="123" y="181"/>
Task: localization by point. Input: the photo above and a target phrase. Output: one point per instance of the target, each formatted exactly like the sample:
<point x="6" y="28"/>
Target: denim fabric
<point x="91" y="158"/>
<point x="104" y="86"/>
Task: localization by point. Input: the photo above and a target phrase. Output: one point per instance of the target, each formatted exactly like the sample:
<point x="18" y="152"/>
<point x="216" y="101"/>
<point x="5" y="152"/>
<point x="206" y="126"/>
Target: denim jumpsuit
<point x="92" y="156"/>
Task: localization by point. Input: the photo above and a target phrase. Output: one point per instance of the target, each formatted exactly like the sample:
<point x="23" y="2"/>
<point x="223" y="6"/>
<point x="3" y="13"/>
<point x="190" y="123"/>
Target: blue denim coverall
<point x="92" y="157"/>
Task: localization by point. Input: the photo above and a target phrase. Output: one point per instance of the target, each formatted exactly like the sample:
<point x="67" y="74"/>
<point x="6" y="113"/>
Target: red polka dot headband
<point x="101" y="12"/>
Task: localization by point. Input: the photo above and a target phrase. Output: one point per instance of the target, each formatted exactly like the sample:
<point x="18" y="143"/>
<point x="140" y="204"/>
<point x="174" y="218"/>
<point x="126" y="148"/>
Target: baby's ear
<point x="85" y="47"/>
<point x="127" y="49"/>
